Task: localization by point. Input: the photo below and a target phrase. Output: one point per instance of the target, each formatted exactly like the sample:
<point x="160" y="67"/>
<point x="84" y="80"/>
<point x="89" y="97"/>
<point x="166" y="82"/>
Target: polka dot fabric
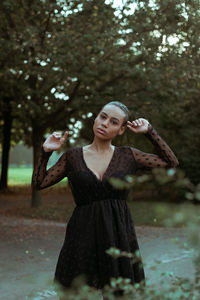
<point x="42" y="178"/>
<point x="165" y="159"/>
<point x="101" y="218"/>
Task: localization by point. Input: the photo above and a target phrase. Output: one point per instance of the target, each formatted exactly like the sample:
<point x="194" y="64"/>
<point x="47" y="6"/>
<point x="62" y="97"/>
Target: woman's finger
<point x="64" y="137"/>
<point x="56" y="136"/>
<point x="65" y="134"/>
<point x="133" y="123"/>
<point x="131" y="126"/>
<point x="133" y="129"/>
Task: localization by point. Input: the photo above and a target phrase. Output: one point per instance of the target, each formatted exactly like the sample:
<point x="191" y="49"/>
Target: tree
<point x="69" y="56"/>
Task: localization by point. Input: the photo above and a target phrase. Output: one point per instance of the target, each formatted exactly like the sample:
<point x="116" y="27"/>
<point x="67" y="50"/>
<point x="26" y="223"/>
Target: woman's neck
<point x="101" y="146"/>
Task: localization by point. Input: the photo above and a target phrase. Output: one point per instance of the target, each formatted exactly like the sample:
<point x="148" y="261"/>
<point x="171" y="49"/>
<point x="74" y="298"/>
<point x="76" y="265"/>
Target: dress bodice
<point x="84" y="183"/>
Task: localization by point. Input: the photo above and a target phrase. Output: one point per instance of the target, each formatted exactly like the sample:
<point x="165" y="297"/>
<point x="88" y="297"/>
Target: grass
<point x="23" y="175"/>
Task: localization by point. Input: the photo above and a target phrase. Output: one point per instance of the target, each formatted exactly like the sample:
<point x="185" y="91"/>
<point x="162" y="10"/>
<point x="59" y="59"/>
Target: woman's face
<point x="108" y="122"/>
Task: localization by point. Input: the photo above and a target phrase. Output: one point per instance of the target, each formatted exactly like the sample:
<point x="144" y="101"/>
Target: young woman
<point x="101" y="218"/>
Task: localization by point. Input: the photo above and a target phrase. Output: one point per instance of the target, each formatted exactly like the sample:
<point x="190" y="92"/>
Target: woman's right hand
<point x="54" y="141"/>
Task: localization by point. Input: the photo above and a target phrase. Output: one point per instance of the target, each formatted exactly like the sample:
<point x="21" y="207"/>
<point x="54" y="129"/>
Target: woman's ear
<point x="122" y="129"/>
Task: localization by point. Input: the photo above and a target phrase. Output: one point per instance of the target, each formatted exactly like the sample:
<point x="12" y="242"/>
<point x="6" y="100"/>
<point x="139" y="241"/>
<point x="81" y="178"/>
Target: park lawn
<point x="23" y="175"/>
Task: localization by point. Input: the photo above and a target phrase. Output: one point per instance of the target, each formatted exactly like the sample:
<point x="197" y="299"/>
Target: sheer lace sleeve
<point x="43" y="178"/>
<point x="165" y="158"/>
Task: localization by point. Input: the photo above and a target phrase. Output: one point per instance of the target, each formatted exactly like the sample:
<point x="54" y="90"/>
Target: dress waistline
<point x="91" y="202"/>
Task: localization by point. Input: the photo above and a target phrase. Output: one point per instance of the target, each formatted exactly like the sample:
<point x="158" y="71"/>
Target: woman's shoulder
<point x="125" y="149"/>
<point x="72" y="155"/>
<point x="72" y="150"/>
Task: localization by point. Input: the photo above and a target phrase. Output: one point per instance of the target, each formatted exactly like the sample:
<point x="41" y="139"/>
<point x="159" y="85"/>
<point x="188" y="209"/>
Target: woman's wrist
<point x="46" y="149"/>
<point x="150" y="128"/>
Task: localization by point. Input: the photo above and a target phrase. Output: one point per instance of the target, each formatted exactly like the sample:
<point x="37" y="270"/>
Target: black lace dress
<point x="101" y="218"/>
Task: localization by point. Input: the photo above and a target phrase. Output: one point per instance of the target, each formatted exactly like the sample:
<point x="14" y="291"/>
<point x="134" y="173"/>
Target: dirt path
<point x="29" y="251"/>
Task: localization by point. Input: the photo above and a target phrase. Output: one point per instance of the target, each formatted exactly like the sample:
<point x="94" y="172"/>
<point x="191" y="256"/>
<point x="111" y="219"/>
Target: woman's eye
<point x="112" y="121"/>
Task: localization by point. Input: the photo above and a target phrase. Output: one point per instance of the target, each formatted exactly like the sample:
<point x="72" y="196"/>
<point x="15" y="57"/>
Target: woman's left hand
<point x="138" y="126"/>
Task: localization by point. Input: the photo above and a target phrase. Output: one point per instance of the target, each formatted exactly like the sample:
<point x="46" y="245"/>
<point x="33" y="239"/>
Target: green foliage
<point x="63" y="59"/>
<point x="160" y="178"/>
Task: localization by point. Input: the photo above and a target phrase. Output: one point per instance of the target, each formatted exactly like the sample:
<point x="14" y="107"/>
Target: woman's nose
<point x="105" y="122"/>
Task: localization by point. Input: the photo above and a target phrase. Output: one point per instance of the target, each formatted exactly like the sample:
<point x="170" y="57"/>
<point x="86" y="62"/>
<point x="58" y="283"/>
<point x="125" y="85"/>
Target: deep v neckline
<point x="99" y="179"/>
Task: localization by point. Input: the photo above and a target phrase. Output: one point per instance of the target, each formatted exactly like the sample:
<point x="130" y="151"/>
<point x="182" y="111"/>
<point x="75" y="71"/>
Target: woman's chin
<point x="99" y="135"/>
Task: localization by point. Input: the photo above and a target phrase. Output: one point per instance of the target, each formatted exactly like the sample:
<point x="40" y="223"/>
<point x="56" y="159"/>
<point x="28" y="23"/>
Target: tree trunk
<point x="6" y="144"/>
<point x="36" y="199"/>
<point x="37" y="137"/>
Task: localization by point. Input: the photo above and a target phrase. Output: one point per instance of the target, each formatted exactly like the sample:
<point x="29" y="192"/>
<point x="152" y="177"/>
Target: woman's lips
<point x="100" y="130"/>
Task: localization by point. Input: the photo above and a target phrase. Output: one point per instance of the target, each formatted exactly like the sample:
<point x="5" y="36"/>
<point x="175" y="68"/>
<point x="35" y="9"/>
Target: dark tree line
<point x="61" y="60"/>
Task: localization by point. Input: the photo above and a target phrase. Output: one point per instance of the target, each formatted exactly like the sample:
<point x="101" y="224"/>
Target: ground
<point x="30" y="248"/>
<point x="31" y="239"/>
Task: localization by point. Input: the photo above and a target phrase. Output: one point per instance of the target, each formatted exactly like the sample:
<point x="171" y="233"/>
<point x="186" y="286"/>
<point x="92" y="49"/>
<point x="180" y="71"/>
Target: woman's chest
<point x="98" y="171"/>
<point x="97" y="164"/>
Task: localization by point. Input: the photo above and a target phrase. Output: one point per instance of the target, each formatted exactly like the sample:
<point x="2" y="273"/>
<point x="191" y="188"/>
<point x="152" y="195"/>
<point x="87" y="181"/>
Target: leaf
<point x="189" y="196"/>
<point x="197" y="195"/>
<point x="118" y="183"/>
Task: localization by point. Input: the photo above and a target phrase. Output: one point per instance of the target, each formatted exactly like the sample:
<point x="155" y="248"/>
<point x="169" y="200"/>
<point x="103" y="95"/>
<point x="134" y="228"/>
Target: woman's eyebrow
<point x="112" y="117"/>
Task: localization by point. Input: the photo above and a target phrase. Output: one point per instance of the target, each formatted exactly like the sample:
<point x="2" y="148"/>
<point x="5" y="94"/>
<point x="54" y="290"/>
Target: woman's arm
<point x="43" y="178"/>
<point x="165" y="158"/>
